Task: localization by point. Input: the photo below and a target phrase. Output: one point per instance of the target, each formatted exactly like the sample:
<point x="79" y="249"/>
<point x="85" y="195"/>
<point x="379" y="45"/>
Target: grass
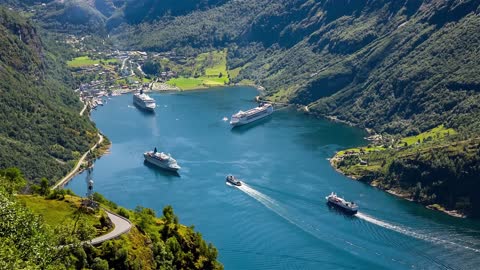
<point x="57" y="213"/>
<point x="379" y="158"/>
<point x="247" y="82"/>
<point x="204" y="70"/>
<point x="83" y="61"/>
<point x="216" y="63"/>
<point x="186" y="83"/>
<point x="436" y="133"/>
<point x="359" y="149"/>
<point x="196" y="83"/>
<point x="234" y="72"/>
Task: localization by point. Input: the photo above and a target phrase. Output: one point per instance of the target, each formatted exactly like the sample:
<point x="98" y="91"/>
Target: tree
<point x="44" y="190"/>
<point x="12" y="179"/>
<point x="25" y="243"/>
<point x="99" y="264"/>
<point x="170" y="217"/>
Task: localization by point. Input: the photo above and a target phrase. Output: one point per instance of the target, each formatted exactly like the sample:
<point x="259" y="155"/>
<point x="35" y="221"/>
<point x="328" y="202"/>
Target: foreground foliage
<point x="46" y="232"/>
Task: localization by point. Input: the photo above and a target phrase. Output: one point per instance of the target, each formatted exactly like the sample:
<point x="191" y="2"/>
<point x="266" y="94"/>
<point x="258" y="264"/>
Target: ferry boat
<point x="342" y="204"/>
<point x="162" y="160"/>
<point x="234" y="181"/>
<point x="242" y="118"/>
<point x="144" y="101"/>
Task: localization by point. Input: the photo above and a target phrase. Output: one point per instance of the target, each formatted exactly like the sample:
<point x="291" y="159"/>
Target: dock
<point x="276" y="105"/>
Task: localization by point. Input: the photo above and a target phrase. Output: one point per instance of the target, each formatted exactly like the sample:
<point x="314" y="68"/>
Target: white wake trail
<point x="410" y="232"/>
<point x="267" y="202"/>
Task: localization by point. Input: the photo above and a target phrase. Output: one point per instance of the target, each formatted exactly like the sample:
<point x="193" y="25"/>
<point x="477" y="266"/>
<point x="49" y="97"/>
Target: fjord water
<point x="279" y="219"/>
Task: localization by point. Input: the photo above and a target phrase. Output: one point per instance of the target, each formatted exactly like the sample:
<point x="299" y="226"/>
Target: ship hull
<point x="143" y="106"/>
<point x="342" y="208"/>
<point x="159" y="164"/>
<point x="244" y="121"/>
<point x="235" y="183"/>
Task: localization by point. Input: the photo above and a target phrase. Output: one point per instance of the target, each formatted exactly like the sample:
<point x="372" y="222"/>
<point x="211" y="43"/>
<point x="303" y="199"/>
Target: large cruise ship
<point x="144" y="101"/>
<point x="162" y="160"/>
<point x="242" y="118"/>
<point x="342" y="204"/>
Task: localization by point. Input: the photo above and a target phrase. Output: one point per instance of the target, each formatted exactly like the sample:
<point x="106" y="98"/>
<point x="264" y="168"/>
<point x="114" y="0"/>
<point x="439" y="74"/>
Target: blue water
<point x="279" y="219"/>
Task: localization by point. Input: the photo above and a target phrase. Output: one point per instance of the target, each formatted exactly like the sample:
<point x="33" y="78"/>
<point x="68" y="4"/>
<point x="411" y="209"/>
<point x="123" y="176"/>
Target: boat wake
<point x="410" y="232"/>
<point x="267" y="201"/>
<point x="281" y="211"/>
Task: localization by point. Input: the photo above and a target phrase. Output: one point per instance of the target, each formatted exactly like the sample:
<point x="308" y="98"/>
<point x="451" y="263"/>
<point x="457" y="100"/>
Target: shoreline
<point x="78" y="166"/>
<point x="400" y="194"/>
<point x="120" y="92"/>
<point x="396" y="193"/>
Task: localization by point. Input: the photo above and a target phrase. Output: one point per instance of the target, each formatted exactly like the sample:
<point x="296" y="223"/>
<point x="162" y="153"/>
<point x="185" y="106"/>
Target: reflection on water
<point x="245" y="128"/>
<point x="161" y="172"/>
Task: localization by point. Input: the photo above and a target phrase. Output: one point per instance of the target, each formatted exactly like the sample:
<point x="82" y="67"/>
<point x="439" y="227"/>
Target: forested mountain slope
<point x="41" y="131"/>
<point x="395" y="66"/>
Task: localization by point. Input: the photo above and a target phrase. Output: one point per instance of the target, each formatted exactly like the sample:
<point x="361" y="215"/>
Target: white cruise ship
<point x="162" y="160"/>
<point x="242" y="118"/>
<point x="144" y="101"/>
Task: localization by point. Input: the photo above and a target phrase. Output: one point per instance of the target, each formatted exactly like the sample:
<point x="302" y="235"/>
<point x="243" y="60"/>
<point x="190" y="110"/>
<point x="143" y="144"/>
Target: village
<point x="104" y="74"/>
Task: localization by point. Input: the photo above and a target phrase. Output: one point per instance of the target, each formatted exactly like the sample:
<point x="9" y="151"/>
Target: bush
<point x="99" y="264"/>
<point x="123" y="212"/>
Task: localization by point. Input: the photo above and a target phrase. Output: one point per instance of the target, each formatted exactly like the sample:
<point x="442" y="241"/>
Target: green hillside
<point x="396" y="67"/>
<point x="40" y="232"/>
<point x="41" y="131"/>
<point x="438" y="168"/>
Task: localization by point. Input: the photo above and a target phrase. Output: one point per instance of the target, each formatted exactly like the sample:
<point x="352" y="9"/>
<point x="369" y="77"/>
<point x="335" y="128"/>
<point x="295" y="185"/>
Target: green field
<point x="57" y="213"/>
<point x="215" y="63"/>
<point x="186" y="83"/>
<point x="360" y="149"/>
<point x="83" y="61"/>
<point x="206" y="70"/>
<point x="435" y="133"/>
<point x="234" y="72"/>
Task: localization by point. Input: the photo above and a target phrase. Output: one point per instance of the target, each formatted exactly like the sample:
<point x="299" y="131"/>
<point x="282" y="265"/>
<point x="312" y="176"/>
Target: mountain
<point x="396" y="67"/>
<point x="41" y="131"/>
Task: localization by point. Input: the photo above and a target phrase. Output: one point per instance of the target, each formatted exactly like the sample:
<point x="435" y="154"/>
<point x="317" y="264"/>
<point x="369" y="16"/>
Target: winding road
<point x="72" y="173"/>
<point x="84" y="108"/>
<point x="122" y="225"/>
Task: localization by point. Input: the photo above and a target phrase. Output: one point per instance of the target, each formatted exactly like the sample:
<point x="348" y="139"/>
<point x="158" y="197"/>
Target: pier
<point x="276" y="105"/>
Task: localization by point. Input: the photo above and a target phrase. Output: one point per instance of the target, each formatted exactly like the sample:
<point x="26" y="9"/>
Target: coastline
<point x="399" y="193"/>
<point x="78" y="168"/>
